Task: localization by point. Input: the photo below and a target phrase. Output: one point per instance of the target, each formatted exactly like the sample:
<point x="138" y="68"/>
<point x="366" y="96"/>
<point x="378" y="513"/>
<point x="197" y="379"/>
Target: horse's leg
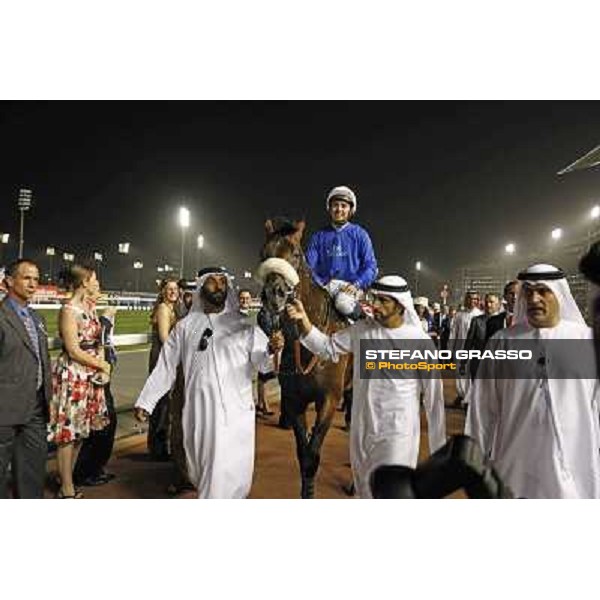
<point x="347" y="395"/>
<point x="301" y="436"/>
<point x="295" y="415"/>
<point x="325" y="413"/>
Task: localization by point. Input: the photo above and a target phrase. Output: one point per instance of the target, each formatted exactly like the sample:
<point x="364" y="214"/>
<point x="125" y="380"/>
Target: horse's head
<point x="277" y="292"/>
<point x="283" y="240"/>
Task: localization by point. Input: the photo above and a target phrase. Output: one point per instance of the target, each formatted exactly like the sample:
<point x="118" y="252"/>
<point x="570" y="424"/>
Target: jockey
<point x="341" y="255"/>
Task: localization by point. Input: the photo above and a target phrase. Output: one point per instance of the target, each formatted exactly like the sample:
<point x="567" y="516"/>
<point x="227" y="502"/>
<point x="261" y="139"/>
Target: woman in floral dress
<point x="78" y="404"/>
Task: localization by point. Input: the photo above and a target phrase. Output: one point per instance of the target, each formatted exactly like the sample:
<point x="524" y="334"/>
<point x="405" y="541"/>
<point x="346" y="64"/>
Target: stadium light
<point x="138" y="265"/>
<point x="184" y="217"/>
<point x="184" y="222"/>
<point x="50" y="253"/>
<point x="595" y="212"/>
<point x="4" y="239"/>
<point x="24" y="204"/>
<point x="98" y="260"/>
<point x="557" y="233"/>
<point x="124" y="250"/>
<point x="510" y="248"/>
<point x="68" y="257"/>
<point x="199" y="246"/>
<point x="417" y="269"/>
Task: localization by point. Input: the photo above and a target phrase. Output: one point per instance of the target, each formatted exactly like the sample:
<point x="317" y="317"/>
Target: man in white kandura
<point x="541" y="433"/>
<point x="458" y="336"/>
<point x="385" y="412"/>
<point x="218" y="348"/>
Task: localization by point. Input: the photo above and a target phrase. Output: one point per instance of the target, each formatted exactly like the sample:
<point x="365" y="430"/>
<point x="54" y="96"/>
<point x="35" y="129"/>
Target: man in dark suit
<point x="505" y="318"/>
<point x="25" y="386"/>
<point x="438" y="322"/>
<point x="476" y="338"/>
<point x="446" y="326"/>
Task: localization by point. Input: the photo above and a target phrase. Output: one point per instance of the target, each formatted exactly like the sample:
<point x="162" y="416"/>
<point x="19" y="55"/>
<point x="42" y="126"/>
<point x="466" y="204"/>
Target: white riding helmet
<point x="342" y="192"/>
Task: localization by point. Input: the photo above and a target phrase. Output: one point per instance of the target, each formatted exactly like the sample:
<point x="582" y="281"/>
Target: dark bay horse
<point x="303" y="378"/>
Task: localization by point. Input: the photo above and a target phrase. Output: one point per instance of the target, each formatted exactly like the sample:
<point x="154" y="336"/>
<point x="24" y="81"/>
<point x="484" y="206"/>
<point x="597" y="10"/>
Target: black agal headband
<point x="541" y="276"/>
<point x="212" y="271"/>
<point x="382" y="287"/>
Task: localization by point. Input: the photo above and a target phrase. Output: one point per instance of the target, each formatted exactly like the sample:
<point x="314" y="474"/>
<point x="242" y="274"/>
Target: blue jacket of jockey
<point x="344" y="253"/>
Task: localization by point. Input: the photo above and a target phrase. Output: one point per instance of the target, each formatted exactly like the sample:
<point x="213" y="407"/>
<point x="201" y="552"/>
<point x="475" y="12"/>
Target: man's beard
<point x="215" y="298"/>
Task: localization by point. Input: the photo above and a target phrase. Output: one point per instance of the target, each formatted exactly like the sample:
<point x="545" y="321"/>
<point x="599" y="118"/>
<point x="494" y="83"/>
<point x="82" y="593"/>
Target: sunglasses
<point x="206" y="335"/>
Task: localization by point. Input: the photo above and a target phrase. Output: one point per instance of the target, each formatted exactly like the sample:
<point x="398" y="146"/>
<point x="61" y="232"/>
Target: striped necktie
<point x="33" y="336"/>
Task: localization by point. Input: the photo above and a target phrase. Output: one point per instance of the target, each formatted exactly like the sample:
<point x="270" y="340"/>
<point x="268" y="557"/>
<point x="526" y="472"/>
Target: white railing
<point x="125" y="339"/>
<point x="100" y="307"/>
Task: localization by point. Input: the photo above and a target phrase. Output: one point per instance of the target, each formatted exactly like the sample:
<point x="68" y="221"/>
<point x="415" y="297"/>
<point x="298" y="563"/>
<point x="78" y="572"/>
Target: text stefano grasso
<point x="497" y="354"/>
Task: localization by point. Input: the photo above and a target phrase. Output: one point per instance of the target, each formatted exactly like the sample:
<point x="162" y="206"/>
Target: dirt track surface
<point x="276" y="472"/>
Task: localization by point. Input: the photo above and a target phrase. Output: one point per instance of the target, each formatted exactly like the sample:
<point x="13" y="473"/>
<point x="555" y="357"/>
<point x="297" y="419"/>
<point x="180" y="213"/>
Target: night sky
<point x="446" y="183"/>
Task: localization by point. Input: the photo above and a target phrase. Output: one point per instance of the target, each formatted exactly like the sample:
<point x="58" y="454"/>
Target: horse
<point x="303" y="378"/>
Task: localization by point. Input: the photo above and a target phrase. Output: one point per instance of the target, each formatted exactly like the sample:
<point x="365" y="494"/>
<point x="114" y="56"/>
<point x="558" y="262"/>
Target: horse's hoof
<point x="349" y="490"/>
<point x="308" y="490"/>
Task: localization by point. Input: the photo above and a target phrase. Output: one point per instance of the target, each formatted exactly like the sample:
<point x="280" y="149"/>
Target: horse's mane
<point x="282" y="226"/>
